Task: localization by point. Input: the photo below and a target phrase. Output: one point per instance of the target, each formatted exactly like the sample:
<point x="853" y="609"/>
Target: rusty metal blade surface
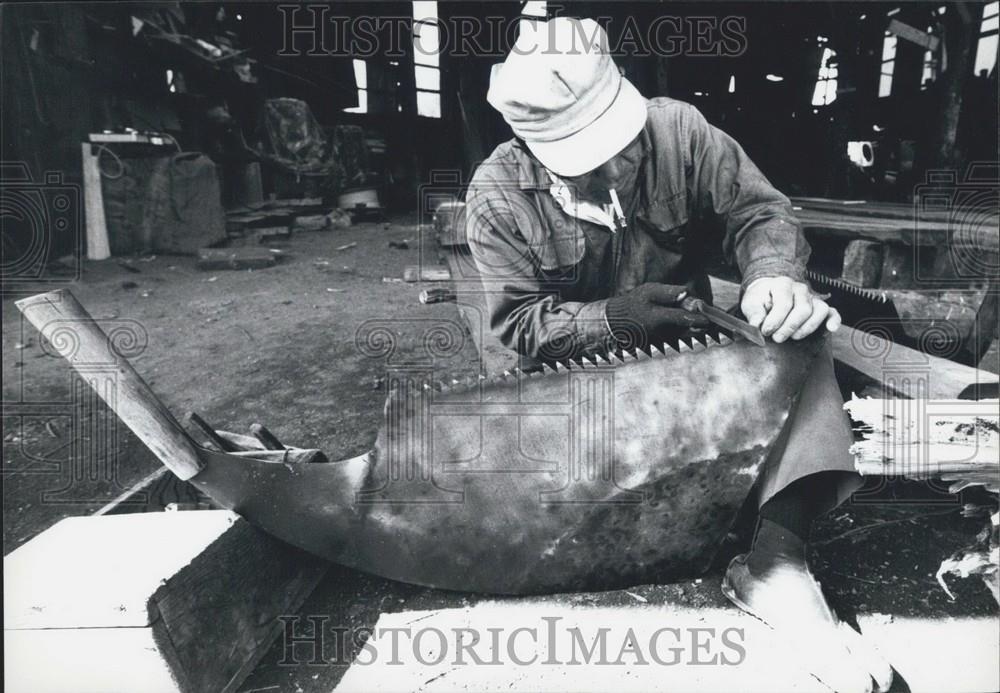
<point x="588" y="478"/>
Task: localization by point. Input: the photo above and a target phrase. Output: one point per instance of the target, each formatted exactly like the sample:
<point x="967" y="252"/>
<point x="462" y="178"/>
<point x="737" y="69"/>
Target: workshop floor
<point x="278" y="346"/>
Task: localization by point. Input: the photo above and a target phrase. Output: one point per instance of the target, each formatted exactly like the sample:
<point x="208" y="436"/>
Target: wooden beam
<point x="886" y="223"/>
<point x="950" y="439"/>
<point x="98" y="247"/>
<point x="908" y="373"/>
<point x="902" y="371"/>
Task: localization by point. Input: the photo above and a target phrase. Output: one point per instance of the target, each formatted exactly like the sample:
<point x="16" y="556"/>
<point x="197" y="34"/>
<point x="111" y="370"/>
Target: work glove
<point x="648" y="313"/>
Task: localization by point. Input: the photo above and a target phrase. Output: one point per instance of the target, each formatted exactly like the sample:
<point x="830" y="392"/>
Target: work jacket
<point x="548" y="273"/>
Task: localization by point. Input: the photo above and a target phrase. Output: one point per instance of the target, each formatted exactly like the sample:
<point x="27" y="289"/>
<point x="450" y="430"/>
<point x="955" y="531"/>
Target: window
<point x="531" y="14"/>
<point x="888" y="64"/>
<point x="361" y="80"/>
<point x="427" y="59"/>
<point x="826" y="82"/>
<point x="986" y="52"/>
<point x="538" y="10"/>
<point x="930" y="72"/>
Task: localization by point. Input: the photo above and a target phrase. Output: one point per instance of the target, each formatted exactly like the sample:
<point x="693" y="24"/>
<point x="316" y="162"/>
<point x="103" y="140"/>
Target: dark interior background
<point x="74" y="68"/>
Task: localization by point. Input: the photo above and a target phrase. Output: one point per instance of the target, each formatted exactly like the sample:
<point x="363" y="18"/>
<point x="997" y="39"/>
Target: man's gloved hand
<point x="639" y="316"/>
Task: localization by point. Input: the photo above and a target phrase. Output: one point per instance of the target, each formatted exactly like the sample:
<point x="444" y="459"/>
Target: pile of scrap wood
<point x="247" y="228"/>
<point x="265" y="220"/>
<point x="957" y="441"/>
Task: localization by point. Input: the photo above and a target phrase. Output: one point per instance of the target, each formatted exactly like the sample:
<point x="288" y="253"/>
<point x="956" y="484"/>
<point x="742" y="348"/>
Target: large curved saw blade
<point x="581" y="478"/>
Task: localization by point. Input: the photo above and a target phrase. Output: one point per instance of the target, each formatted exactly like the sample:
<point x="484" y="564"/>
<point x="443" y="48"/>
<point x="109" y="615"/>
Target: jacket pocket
<point x="555" y="238"/>
<point x="667" y="220"/>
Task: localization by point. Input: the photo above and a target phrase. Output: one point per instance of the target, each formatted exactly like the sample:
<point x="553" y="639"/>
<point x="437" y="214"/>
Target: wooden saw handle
<point x="68" y="327"/>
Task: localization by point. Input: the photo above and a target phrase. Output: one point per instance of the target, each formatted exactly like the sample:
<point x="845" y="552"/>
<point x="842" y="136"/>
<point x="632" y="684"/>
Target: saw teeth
<point x="602" y="360"/>
<point x="840" y="284"/>
<point x="691" y="344"/>
<point x="656" y="350"/>
<point x="615" y="359"/>
<point x="669" y="349"/>
<point x="561" y="367"/>
<point x="725" y="339"/>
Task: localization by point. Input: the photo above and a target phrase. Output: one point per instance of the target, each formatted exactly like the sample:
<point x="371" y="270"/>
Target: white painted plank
<point x="91" y="660"/>
<point x="101" y="571"/>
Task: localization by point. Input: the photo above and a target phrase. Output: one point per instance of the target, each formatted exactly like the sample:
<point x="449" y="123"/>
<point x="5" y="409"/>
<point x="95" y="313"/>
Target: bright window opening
<point x="732" y="84"/>
<point x="361" y="80"/>
<point x="826" y="82"/>
<point x="427" y="58"/>
<point x="532" y="13"/>
<point x="930" y="72"/>
<point x="539" y="10"/>
<point x="986" y="51"/>
<point x="888" y="65"/>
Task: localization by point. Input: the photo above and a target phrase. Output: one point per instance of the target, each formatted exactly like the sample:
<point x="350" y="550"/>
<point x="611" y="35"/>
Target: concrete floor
<point x="279" y="346"/>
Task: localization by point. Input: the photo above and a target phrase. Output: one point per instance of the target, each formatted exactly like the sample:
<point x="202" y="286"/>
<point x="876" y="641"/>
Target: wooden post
<point x="961" y="29"/>
<point x="93" y="199"/>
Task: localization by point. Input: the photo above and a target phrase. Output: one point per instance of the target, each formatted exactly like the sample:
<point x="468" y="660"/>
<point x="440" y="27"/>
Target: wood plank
<point x="160" y="490"/>
<point x="221" y="612"/>
<point x="240" y="257"/>
<point x="897" y="226"/>
<point x="98" y="247"/>
<point x="81" y="571"/>
<point x="902" y="371"/>
<point x="908" y="373"/>
<point x="870" y="208"/>
<point x="933" y="438"/>
<point x="206" y="585"/>
<point x="86" y="660"/>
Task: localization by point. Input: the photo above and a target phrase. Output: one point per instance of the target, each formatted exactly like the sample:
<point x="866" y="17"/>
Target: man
<point x="597" y="218"/>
